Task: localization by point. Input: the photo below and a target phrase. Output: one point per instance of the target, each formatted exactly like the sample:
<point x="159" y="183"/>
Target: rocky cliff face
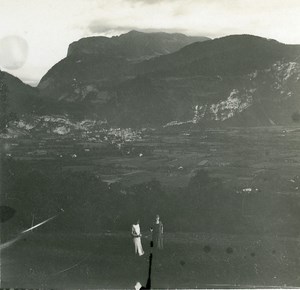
<point x="133" y="45"/>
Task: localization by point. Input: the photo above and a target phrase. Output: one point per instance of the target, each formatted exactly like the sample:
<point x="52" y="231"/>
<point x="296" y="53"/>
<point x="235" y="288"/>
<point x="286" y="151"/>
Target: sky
<point x="35" y="34"/>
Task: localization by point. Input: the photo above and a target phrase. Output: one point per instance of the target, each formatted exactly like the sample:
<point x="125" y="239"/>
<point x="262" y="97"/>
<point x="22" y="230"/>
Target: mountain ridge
<point x="229" y="80"/>
<point x="263" y="51"/>
<point x="22" y="98"/>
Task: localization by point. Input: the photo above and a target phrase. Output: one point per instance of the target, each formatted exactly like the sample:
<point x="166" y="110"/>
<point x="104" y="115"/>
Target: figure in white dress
<point x="136" y="234"/>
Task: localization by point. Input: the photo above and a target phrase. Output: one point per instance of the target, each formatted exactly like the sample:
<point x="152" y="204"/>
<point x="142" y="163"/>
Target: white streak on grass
<point x="31" y="228"/>
<point x="11" y="242"/>
<point x="73" y="266"/>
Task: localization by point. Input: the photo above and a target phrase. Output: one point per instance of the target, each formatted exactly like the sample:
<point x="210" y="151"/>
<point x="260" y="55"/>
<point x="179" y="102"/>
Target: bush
<point x="296" y="116"/>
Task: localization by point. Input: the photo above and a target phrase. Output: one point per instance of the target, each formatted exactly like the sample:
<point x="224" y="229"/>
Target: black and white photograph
<point x="149" y="144"/>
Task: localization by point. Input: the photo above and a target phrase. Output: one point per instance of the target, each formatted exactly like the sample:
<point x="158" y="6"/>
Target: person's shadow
<point x="148" y="284"/>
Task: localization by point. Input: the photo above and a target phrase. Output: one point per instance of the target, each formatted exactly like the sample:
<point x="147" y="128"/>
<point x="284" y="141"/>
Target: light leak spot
<point x="13" y="52"/>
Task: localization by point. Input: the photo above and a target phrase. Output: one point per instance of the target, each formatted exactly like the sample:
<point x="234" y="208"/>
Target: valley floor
<point x="259" y="167"/>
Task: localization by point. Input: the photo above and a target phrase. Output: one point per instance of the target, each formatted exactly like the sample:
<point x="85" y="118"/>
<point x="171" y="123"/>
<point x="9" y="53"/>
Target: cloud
<point x="211" y="18"/>
<point x="122" y="16"/>
<point x="98" y="27"/>
<point x="151" y="2"/>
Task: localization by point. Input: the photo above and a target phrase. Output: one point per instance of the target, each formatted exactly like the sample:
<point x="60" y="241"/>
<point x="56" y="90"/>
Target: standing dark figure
<point x="158" y="234"/>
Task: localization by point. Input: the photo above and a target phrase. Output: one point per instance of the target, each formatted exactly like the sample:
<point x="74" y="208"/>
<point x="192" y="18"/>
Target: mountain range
<point x="159" y="79"/>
